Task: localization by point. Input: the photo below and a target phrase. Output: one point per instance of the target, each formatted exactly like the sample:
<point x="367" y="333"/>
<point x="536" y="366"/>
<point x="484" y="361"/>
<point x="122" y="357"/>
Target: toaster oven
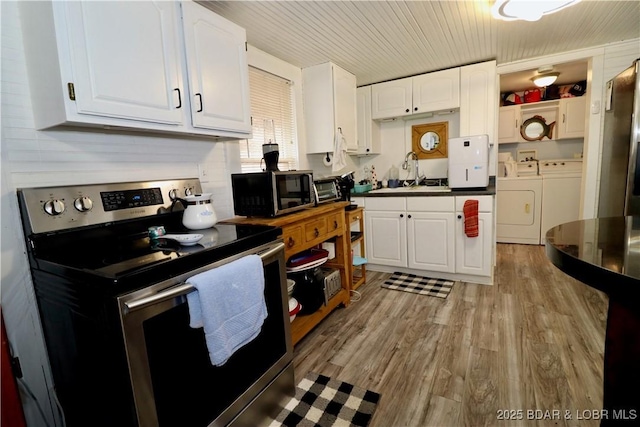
<point x="326" y="190"/>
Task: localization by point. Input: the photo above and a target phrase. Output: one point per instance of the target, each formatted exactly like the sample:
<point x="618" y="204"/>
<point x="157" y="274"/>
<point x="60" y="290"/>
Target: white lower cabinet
<point x="427" y="233"/>
<point x="474" y="255"/>
<point x="386" y="219"/>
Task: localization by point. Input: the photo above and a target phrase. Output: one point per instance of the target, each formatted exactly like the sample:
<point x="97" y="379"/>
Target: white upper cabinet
<point x="436" y="91"/>
<point x="509" y="122"/>
<point x="478" y="99"/>
<point x="392" y="99"/>
<point x="571" y="117"/>
<point x="415" y="95"/>
<point x="368" y="129"/>
<point x="142" y="48"/>
<point x="122" y="65"/>
<point x="218" y="77"/>
<point x="329" y="96"/>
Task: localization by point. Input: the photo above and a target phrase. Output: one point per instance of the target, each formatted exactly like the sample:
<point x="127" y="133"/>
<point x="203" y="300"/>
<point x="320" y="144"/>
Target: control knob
<point x="83" y="204"/>
<point x="54" y="207"/>
<point x="188" y="191"/>
<point x="173" y="194"/>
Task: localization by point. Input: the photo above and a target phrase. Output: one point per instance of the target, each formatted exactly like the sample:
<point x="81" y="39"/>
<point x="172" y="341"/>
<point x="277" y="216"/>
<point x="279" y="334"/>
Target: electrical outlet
<point x="203" y="172"/>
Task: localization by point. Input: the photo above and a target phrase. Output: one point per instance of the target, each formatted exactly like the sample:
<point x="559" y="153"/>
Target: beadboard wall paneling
<point x="384" y="40"/>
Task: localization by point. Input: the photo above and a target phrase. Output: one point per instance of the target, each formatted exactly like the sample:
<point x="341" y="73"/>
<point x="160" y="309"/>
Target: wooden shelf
<point x="306" y="229"/>
<point x="357" y="215"/>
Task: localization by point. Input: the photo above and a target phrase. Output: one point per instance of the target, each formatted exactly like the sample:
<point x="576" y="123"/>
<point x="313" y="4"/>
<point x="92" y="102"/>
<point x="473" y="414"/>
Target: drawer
<point x="335" y="222"/>
<point x="430" y="204"/>
<point x="485" y="203"/>
<point x="385" y="204"/>
<point x="292" y="238"/>
<point x="316" y="229"/>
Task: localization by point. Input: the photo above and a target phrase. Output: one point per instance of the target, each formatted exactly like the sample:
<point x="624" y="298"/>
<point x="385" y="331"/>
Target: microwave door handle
<point x="185" y="288"/>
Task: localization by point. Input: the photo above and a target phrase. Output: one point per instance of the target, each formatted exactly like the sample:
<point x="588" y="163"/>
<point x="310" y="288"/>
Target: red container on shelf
<point x="532" y="95"/>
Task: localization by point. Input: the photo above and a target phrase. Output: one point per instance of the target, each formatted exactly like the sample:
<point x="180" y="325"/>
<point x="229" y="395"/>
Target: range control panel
<point x="61" y="208"/>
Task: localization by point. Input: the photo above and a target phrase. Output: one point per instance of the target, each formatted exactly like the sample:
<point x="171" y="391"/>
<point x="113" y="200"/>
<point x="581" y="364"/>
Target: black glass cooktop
<point x="113" y="255"/>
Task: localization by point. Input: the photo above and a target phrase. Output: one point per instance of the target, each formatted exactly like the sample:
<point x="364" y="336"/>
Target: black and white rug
<point x="418" y="285"/>
<point x="323" y="402"/>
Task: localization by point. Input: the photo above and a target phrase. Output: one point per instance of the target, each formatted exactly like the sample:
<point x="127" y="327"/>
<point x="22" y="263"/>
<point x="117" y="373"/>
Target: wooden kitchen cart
<point x="358" y="274"/>
<point x="306" y="229"/>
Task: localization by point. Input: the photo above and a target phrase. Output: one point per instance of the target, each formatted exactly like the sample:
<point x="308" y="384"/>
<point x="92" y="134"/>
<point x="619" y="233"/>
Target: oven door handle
<point x="184" y="288"/>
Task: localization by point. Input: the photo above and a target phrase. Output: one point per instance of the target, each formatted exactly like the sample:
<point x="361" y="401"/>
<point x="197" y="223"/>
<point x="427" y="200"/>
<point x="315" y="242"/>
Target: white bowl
<point x="291" y="284"/>
<point x="294" y="308"/>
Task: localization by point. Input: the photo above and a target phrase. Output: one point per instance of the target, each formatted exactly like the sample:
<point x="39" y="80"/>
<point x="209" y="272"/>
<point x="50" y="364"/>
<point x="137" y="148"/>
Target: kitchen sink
<point x="415" y="189"/>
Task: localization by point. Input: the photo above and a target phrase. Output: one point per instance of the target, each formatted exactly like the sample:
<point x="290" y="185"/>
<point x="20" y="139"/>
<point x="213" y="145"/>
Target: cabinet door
<point x="392" y="99"/>
<point x="344" y="95"/>
<point x="386" y="240"/>
<point x="430" y="238"/>
<point x="478" y="99"/>
<point x="125" y="60"/>
<point x="368" y="131"/>
<point x="572" y="117"/>
<point x="473" y="254"/>
<point x="217" y="69"/>
<point x="436" y="91"/>
<point x="509" y="122"/>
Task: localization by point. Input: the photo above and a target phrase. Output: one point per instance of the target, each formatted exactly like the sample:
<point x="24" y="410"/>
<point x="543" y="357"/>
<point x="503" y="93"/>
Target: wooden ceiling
<point x="385" y="40"/>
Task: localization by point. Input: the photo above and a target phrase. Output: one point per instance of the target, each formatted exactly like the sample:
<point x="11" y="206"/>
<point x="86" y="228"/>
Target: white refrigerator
<point x="469" y="162"/>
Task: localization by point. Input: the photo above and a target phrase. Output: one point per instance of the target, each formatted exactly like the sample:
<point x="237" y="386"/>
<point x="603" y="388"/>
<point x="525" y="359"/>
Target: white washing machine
<point x="519" y="207"/>
<point x="561" y="186"/>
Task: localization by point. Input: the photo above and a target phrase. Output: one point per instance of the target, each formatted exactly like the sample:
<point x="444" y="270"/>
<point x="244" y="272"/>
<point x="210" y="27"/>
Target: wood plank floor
<point x="533" y="341"/>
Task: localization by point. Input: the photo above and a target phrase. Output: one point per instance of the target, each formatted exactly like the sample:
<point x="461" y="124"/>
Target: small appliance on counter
<point x="272" y="193"/>
<point x="469" y="162"/>
<point x="326" y="190"/>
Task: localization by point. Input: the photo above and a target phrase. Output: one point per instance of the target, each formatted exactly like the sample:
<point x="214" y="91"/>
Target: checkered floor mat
<point x="323" y="402"/>
<point x="418" y="285"/>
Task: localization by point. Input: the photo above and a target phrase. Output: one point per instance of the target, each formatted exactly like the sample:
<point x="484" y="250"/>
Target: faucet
<point x="405" y="165"/>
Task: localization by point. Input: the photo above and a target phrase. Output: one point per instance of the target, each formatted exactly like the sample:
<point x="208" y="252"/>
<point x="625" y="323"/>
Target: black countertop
<point x="407" y="192"/>
<point x="604" y="253"/>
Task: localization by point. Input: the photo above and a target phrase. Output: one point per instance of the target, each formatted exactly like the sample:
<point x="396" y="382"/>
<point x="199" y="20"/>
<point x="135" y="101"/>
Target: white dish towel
<point x="339" y="152"/>
<point x="229" y="303"/>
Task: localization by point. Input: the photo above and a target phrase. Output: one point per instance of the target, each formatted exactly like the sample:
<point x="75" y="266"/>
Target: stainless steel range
<point x="112" y="303"/>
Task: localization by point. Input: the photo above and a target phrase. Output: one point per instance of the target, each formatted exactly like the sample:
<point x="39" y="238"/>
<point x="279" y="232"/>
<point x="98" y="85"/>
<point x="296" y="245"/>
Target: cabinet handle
<point x="335" y="224"/>
<point x="406" y="111"/>
<point x="459" y="216"/>
<point x="563" y="118"/>
<point x="527" y="208"/>
<point x="316" y="232"/>
<point x="291" y="242"/>
<point x="516" y="123"/>
<point x="199" y="96"/>
<point x="401" y="215"/>
<point x="179" y="98"/>
<point x="415" y="109"/>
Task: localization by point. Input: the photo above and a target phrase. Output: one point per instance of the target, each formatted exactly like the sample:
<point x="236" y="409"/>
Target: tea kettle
<point x="199" y="213"/>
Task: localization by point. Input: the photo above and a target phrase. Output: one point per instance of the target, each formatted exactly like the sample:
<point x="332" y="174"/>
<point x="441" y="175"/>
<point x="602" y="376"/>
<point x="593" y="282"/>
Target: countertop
<point x="407" y="192"/>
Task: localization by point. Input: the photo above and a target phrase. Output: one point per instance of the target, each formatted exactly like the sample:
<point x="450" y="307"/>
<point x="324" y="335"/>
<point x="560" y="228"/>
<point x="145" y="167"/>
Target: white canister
<point x="199" y="213"/>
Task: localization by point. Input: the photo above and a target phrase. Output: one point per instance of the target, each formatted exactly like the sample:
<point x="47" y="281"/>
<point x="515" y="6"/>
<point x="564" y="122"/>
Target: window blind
<point x="271" y="98"/>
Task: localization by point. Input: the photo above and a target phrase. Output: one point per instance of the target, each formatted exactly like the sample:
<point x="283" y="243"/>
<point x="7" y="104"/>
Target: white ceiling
<point x="385" y="40"/>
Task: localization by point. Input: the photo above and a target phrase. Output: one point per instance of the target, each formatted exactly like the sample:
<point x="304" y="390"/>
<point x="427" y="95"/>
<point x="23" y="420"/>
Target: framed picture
<point x="429" y="141"/>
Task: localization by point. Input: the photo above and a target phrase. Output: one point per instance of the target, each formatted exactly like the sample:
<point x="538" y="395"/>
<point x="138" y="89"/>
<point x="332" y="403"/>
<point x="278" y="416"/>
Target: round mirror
<point x="535" y="128"/>
<point x="429" y="141"/>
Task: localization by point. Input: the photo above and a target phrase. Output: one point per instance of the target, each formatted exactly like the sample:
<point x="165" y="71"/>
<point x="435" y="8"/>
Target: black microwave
<point x="272" y="193"/>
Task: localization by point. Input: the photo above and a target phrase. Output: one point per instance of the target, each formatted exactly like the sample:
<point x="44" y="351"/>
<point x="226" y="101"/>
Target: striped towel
<point x="471" y="218"/>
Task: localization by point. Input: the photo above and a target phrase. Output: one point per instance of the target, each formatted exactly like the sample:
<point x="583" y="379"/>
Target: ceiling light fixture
<point x="545" y="76"/>
<point x="527" y="10"/>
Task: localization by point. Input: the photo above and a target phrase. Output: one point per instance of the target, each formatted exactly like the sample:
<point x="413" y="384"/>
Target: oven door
<point x="173" y="380"/>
